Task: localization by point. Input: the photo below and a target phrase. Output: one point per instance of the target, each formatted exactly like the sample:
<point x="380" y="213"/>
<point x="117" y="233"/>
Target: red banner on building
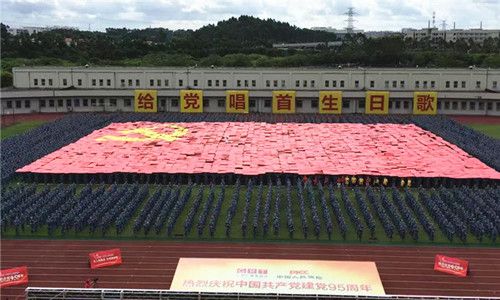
<point x="451" y="265"/>
<point x="14" y="276"/>
<point x="105" y="258"/>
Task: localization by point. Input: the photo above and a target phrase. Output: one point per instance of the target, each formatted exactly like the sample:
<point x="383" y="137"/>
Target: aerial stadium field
<point x="332" y="180"/>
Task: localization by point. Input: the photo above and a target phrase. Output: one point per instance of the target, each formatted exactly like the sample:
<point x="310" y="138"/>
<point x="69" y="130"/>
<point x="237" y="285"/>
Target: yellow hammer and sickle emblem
<point x="149" y="134"/>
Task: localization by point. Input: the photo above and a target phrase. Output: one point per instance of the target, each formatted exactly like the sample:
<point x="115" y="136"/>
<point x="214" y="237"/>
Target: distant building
<point x="451" y="35"/>
<point x="311" y="45"/>
<point x="34" y="29"/>
<point x="381" y="34"/>
<point x="341" y="33"/>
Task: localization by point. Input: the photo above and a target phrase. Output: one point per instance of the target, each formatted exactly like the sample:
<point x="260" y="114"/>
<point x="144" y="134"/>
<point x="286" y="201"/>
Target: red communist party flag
<point x="105" y="258"/>
<point x="451" y="265"/>
<point x="14" y="276"/>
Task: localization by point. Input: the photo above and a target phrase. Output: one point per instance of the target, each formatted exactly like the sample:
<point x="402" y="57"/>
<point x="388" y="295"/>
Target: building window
<point x="166" y="82"/>
<point x="27" y="103"/>
<point x="85" y="102"/>
<point x="498" y="106"/>
<point x="489" y="106"/>
<point x="195" y="82"/>
<point x="93" y="102"/>
<point x="417" y="84"/>
<point x="80" y="82"/>
<point x="137" y="82"/>
<point x="398" y="104"/>
<point x="221" y="103"/>
<point x="455" y="84"/>
<point x="238" y="83"/>
<point x="130" y="82"/>
<point x="495" y="83"/>
<point x="402" y="84"/>
<point x="386" y="84"/>
<point x="304" y="83"/>
<point x="481" y="105"/>
<point x="94" y="82"/>
<point x="254" y="83"/>
<point x="50" y="82"/>
<point x="77" y="102"/>
<point x="433" y="84"/>
<point x="472" y="105"/>
<point x="206" y="102"/>
<point x="327" y="83"/>
<point x="51" y="103"/>
<point x="209" y="82"/>
<point x="447" y="84"/>
<point x="68" y="102"/>
<point x="463" y="105"/>
<point x="268" y="83"/>
<point x="312" y="83"/>
<point x="314" y="103"/>
<point x="275" y="83"/>
<point x="297" y="83"/>
<point x="454" y="105"/>
<point x="101" y="82"/>
<point x="356" y="84"/>
<point x="282" y="83"/>
<point x="267" y="103"/>
<point x="478" y="84"/>
<point x="217" y="82"/>
<point x="406" y="104"/>
<point x="181" y="82"/>
<point x="252" y="103"/>
<point x="60" y="102"/>
<point x="394" y="84"/>
<point x="224" y="82"/>
<point x="42" y="103"/>
<point x="246" y="83"/>
<point x="175" y="102"/>
<point x="447" y="105"/>
<point x="43" y="81"/>
<point x="158" y="82"/>
<point x="112" y="102"/>
<point x="151" y="82"/>
<point x="101" y="102"/>
<point x="390" y="104"/>
<point x="425" y="84"/>
<point x="127" y="102"/>
<point x="65" y="81"/>
<point x="463" y="84"/>
<point x="372" y="83"/>
<point x="18" y="104"/>
<point x="345" y="104"/>
<point x="439" y="105"/>
<point x="342" y="83"/>
<point x="334" y="83"/>
<point x="298" y="103"/>
<point x="35" y="81"/>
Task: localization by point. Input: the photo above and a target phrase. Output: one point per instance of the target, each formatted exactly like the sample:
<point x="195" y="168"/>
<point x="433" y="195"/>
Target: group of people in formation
<point x="360" y="181"/>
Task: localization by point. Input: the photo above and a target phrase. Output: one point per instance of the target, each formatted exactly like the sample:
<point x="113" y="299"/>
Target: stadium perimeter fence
<point x="69" y="293"/>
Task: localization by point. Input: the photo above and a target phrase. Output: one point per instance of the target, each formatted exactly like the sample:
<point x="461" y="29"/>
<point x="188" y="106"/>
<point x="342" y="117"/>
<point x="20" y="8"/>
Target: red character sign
<point x="191" y="100"/>
<point x="14" y="276"/>
<point x="283" y="101"/>
<point x="105" y="258"/>
<point x="377" y="102"/>
<point x="451" y="265"/>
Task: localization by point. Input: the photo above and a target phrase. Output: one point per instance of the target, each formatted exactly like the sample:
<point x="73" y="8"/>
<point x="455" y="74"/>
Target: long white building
<point x="451" y="35"/>
<point x="63" y="89"/>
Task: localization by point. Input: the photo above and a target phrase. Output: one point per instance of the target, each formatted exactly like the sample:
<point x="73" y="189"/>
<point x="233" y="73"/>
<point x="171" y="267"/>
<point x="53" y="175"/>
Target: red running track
<point x="151" y="264"/>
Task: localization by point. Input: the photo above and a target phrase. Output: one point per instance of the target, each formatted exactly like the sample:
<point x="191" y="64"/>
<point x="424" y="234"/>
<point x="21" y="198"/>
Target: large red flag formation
<point x="250" y="148"/>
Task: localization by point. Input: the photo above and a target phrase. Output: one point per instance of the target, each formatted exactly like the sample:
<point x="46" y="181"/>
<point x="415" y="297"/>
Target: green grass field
<point x="236" y="230"/>
<point x="489" y="130"/>
<point x="19" y="128"/>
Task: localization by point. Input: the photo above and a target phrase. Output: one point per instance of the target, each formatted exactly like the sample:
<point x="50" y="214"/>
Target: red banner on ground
<point x="250" y="148"/>
<point x="451" y="265"/>
<point x="14" y="276"/>
<point x="105" y="258"/>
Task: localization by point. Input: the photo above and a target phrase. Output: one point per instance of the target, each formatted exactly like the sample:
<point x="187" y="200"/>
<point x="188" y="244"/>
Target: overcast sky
<point x="192" y="14"/>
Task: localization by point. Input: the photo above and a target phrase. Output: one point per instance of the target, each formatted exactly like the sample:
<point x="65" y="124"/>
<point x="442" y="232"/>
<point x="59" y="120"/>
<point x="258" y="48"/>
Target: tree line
<point x="237" y="42"/>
